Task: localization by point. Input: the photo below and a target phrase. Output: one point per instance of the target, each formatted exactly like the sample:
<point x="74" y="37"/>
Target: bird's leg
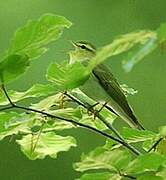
<point x="90" y="109"/>
<point x="96" y="112"/>
<point x="102" y="106"/>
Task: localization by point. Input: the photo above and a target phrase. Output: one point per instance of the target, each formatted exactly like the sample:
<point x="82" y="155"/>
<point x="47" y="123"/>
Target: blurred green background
<point x="98" y="22"/>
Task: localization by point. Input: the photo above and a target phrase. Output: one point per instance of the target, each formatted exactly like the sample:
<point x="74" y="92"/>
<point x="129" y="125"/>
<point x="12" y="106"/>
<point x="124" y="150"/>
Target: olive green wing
<point x="112" y="87"/>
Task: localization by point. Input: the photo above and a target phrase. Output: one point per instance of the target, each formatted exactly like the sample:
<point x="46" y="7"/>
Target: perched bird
<point x="102" y="85"/>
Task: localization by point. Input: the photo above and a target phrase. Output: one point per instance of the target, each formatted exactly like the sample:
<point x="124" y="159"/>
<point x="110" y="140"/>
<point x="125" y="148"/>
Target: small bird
<point x="102" y="85"/>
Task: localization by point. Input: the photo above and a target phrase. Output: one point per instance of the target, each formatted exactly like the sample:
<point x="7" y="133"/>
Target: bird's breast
<point x="94" y="90"/>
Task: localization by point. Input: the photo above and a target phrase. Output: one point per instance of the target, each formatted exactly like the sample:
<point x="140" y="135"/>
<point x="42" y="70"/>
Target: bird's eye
<point x="83" y="47"/>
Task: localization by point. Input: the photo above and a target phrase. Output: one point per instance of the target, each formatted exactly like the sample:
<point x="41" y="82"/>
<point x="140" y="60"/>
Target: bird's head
<point x="83" y="51"/>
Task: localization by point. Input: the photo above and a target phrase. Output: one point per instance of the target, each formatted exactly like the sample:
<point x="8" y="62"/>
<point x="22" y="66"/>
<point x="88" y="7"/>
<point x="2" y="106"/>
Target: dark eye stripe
<point x="86" y="43"/>
<point x="84" y="47"/>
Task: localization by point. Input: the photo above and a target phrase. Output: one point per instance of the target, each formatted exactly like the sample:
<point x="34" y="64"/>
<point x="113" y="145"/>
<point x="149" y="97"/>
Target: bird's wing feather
<point x="112" y="87"/>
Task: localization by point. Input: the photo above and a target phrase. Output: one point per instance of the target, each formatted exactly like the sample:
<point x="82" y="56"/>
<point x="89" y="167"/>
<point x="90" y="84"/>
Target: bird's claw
<point x="95" y="112"/>
<point x="90" y="109"/>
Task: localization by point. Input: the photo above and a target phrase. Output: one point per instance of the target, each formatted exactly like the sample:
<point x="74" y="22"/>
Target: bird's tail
<point x="131" y="120"/>
<point x="134" y="121"/>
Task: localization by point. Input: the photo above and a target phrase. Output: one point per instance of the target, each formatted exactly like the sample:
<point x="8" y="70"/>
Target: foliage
<point x="37" y="127"/>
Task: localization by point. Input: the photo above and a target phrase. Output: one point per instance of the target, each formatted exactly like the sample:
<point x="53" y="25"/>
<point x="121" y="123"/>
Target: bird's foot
<point x="90" y="109"/>
<point x="95" y="112"/>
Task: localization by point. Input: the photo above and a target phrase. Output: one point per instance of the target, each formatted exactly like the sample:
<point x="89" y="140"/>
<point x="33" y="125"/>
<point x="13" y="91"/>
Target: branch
<point x="109" y="125"/>
<point x="128" y="176"/>
<point x="125" y="175"/>
<point x="97" y="115"/>
<point x="6" y="108"/>
<point x="79" y="124"/>
<point x="155" y="144"/>
<point x="133" y="150"/>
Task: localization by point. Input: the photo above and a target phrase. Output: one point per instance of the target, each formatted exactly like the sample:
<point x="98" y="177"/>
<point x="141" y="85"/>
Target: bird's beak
<point x="73" y="43"/>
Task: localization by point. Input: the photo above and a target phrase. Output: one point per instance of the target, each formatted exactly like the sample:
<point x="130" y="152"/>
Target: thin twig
<point x="122" y="174"/>
<point x="6" y="108"/>
<point x="125" y="175"/>
<point x="6" y="94"/>
<point x="97" y="115"/>
<point x="81" y="125"/>
<point x="155" y="144"/>
<point x="73" y="122"/>
<point x="109" y="125"/>
<point x="128" y="176"/>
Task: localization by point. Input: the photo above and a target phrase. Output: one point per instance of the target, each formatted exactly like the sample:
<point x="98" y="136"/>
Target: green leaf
<point x="48" y="144"/>
<point x="52" y="124"/>
<point x="78" y="94"/>
<point x="57" y="125"/>
<point x="69" y="113"/>
<point x="161" y="148"/>
<point x="12" y="67"/>
<point x="28" y="43"/>
<point x="109" y="144"/>
<point x="120" y="45"/>
<point x="5" y="118"/>
<point x="145" y="163"/>
<point x="37" y="90"/>
<point x="137" y="55"/>
<point x="67" y="76"/>
<point x="51" y="105"/>
<point x="100" y="176"/>
<point x="82" y="97"/>
<point x="161" y="33"/>
<point x="149" y="143"/>
<point x="31" y="38"/>
<point x="162" y="172"/>
<point x="101" y="158"/>
<point x="48" y="102"/>
<point x="134" y="135"/>
<point x="13" y="123"/>
<point x="150" y="177"/>
<point x="96" y="123"/>
<point x="88" y="118"/>
<point x="162" y="131"/>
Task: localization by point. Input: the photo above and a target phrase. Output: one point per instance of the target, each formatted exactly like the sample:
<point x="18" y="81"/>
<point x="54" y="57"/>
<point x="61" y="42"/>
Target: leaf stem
<point x="38" y="137"/>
